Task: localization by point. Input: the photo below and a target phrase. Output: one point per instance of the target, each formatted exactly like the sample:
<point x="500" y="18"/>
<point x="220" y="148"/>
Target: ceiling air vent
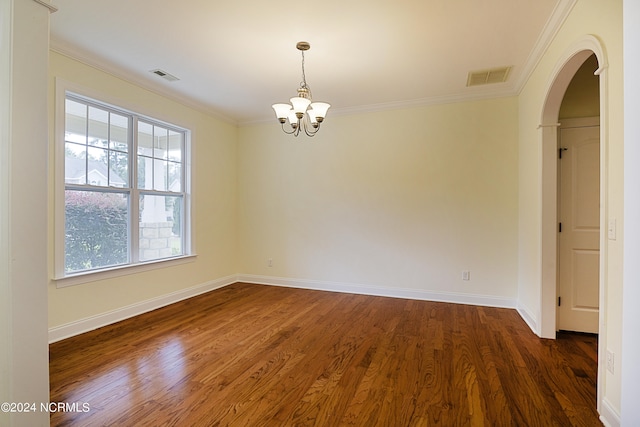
<point x="164" y="75"/>
<point x="485" y="77"/>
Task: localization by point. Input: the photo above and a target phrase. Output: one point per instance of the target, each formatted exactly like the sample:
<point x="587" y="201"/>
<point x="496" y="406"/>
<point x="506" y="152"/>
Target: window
<point x="125" y="188"/>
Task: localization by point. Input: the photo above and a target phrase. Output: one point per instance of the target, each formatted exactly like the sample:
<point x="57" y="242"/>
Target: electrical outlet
<point x="466" y="275"/>
<point x="610" y="361"/>
<point x="270" y="262"/>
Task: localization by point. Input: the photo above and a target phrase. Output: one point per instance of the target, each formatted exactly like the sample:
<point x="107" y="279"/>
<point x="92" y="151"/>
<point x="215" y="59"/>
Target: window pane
<point x="75" y="166"/>
<point x="75" y="122"/>
<point x="159" y="175"/>
<point x="175" y="178"/>
<point x="119" y="132"/>
<point x="145" y="173"/>
<point x="96" y="227"/>
<point x="175" y="146"/>
<point x="97" y="167"/>
<point x="145" y="139"/>
<point x="160" y="227"/>
<point x="98" y="127"/>
<point x="160" y="142"/>
<point x="118" y="169"/>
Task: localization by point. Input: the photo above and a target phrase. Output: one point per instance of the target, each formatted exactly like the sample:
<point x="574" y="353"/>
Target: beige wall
<point x="214" y="188"/>
<point x="399" y="200"/>
<point x="604" y="20"/>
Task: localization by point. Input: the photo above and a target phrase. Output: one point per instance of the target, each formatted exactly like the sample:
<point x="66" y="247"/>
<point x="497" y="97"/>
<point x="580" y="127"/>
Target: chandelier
<point x="302" y="113"/>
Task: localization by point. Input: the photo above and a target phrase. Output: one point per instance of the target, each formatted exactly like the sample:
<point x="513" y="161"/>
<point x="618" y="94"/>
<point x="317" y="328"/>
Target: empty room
<point x="442" y="232"/>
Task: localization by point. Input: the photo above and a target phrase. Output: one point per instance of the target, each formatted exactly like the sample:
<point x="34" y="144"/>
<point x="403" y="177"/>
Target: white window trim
<point x="121" y="270"/>
<point x="59" y="276"/>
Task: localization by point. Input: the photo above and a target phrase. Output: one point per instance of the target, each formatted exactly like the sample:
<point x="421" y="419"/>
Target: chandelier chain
<point x="303" y="84"/>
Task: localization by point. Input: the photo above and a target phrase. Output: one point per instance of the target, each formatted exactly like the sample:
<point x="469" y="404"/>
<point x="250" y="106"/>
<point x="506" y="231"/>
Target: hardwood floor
<point x="251" y="355"/>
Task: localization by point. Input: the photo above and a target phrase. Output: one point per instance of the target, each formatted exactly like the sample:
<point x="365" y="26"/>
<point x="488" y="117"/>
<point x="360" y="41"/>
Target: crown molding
<point x="551" y="28"/>
<point x="106" y="67"/>
<point x="411" y="103"/>
<point x="47" y="4"/>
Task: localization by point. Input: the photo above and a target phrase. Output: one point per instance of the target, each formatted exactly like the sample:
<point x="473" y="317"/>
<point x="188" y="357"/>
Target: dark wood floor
<point x="251" y="355"/>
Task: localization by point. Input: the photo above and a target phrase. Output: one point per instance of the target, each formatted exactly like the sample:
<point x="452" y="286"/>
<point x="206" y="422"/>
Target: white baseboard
<point x="528" y="318"/>
<point x="94" y="322"/>
<point x="418" y="294"/>
<point x="608" y="415"/>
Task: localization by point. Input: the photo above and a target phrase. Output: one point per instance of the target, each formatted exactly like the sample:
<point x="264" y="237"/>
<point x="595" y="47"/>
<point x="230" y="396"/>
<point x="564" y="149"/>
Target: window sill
<point x="124" y="270"/>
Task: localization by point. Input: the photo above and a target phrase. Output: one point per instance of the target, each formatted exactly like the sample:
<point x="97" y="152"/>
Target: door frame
<point x="561" y="76"/>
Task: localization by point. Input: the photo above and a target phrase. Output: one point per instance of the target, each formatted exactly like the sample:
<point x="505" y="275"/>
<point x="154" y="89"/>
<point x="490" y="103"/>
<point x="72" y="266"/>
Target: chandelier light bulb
<point x="299" y="105"/>
<point x="313" y="119"/>
<point x="282" y="111"/>
<point x="293" y="119"/>
<point x="320" y="109"/>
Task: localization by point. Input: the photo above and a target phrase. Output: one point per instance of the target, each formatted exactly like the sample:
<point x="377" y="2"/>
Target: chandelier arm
<point x="285" y="131"/>
<point x="311" y="133"/>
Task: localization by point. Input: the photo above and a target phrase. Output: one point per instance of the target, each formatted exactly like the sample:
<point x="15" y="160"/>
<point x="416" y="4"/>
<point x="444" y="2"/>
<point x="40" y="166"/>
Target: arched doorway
<point x="579" y="203"/>
<point x="566" y="68"/>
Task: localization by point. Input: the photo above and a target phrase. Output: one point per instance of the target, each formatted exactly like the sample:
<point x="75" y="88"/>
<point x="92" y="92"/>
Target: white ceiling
<point x="236" y="58"/>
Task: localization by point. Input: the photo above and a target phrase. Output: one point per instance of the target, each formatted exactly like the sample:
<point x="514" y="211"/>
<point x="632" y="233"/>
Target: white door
<point x="579" y="229"/>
